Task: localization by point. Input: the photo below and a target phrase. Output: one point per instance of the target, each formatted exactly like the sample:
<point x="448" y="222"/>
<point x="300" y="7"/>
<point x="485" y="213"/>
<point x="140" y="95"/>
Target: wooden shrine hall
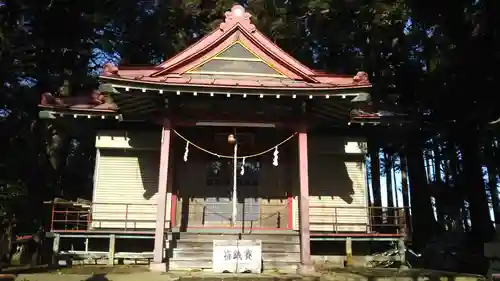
<point x="231" y="138"/>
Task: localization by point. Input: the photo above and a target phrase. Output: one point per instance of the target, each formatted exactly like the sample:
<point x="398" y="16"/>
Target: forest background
<point x="436" y="61"/>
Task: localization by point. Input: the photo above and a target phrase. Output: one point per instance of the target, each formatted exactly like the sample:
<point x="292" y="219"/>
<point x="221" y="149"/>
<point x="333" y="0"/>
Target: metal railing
<point x="339" y="219"/>
<point x="120" y="217"/>
<point x="71" y="217"/>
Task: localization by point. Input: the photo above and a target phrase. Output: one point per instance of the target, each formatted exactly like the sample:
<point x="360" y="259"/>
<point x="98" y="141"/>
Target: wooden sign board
<point x="237" y="256"/>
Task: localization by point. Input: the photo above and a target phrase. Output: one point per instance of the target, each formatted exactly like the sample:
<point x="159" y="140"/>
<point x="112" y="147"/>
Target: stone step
<point x="217" y="236"/>
<point x="201" y="254"/>
<point x="180" y="264"/>
<point x="208" y="245"/>
<point x="206" y="265"/>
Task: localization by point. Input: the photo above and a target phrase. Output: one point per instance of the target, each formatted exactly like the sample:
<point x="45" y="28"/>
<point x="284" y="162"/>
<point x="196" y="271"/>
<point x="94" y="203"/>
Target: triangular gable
<point x="236" y="59"/>
<point x="270" y="60"/>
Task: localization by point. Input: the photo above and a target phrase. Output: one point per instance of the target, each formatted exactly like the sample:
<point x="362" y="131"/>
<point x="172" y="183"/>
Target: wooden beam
<point x="161" y="207"/>
<point x="306" y="265"/>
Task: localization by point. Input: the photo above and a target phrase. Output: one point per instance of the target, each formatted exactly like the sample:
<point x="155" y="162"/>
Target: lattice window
<point x="219" y="175"/>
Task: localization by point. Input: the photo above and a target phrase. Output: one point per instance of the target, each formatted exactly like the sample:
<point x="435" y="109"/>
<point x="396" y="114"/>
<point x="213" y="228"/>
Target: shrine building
<point x="169" y="134"/>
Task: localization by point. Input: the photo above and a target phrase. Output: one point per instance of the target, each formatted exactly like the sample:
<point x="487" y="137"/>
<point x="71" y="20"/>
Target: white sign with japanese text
<point x="237" y="256"/>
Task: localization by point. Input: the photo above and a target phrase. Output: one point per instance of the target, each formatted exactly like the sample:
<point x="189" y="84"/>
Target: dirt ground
<point x="141" y="273"/>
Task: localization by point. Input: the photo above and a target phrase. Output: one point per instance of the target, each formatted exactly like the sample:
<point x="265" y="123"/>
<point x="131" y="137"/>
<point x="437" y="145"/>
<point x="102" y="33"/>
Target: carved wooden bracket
<point x="109" y="69"/>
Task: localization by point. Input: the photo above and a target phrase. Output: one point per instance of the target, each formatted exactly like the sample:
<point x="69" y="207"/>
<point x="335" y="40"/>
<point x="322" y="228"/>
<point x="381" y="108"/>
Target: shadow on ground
<point x="97" y="277"/>
<point x="417" y="274"/>
<point x="80" y="270"/>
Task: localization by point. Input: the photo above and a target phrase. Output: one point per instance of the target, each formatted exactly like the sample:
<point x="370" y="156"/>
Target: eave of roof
<point x="240" y="84"/>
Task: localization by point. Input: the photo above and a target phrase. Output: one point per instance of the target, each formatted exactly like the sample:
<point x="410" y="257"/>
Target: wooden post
<point x="305" y="243"/>
<point x="111" y="250"/>
<point x="402" y="251"/>
<point x="161" y="206"/>
<point x="348" y="251"/>
<point x="55" y="249"/>
<point x="86" y="245"/>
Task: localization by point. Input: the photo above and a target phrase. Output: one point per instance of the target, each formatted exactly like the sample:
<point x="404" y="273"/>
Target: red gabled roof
<point x="236" y="28"/>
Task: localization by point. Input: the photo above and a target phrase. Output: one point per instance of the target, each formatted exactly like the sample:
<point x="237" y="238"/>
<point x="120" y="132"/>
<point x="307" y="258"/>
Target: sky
<point x="398" y="200"/>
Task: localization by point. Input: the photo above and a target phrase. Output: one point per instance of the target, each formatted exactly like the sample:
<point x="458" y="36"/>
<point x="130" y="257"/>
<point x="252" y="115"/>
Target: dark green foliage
<point x="433" y="57"/>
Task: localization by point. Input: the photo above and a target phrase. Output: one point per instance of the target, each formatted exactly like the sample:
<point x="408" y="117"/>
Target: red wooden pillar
<point x="305" y="233"/>
<point x="161" y="206"/>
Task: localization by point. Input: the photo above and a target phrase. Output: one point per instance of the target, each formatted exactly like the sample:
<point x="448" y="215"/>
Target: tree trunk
<point x="439" y="183"/>
<point x="447" y="173"/>
<point x="406" y="198"/>
<point x="395" y="189"/>
<point x="391" y="212"/>
<point x="388" y="178"/>
<point x="492" y="177"/>
<point x="423" y="221"/>
<point x="5" y="242"/>
<point x="481" y="225"/>
<point x="428" y="165"/>
<point x="456" y="201"/>
<point x="373" y="150"/>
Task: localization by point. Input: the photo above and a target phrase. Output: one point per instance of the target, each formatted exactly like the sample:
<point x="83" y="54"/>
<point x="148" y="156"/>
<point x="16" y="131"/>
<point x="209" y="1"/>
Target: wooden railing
<point x="342" y="219"/>
<point x="105" y="217"/>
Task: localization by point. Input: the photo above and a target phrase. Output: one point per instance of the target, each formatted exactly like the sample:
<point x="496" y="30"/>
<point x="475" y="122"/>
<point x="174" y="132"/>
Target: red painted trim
<point x="235" y="227"/>
<point x="291" y="126"/>
<point x="191" y="122"/>
<point x="290" y="211"/>
<point x="152" y="232"/>
<point x="173" y="211"/>
<point x="255" y="228"/>
<point x="304" y="222"/>
<point x="180" y="121"/>
<point x="358" y="234"/>
<point x="52" y="217"/>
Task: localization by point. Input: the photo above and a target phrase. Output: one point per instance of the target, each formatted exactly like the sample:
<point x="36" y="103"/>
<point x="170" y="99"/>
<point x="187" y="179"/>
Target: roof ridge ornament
<point x="237" y="15"/>
<point x="109" y="69"/>
<point x="361" y="78"/>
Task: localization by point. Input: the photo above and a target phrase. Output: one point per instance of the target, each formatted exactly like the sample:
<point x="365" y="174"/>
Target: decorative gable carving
<point x="237" y="60"/>
<point x="237" y="15"/>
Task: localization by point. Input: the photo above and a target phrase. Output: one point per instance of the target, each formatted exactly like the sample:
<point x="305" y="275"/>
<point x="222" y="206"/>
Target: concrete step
<point x="206" y="265"/>
<point x="201" y="254"/>
<point x="208" y="245"/>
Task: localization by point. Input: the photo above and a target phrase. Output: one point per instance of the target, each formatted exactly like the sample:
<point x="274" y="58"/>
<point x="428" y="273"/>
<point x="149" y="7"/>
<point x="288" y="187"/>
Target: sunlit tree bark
<point x="373" y="150"/>
<point x="481" y="224"/>
<point x="423" y="221"/>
